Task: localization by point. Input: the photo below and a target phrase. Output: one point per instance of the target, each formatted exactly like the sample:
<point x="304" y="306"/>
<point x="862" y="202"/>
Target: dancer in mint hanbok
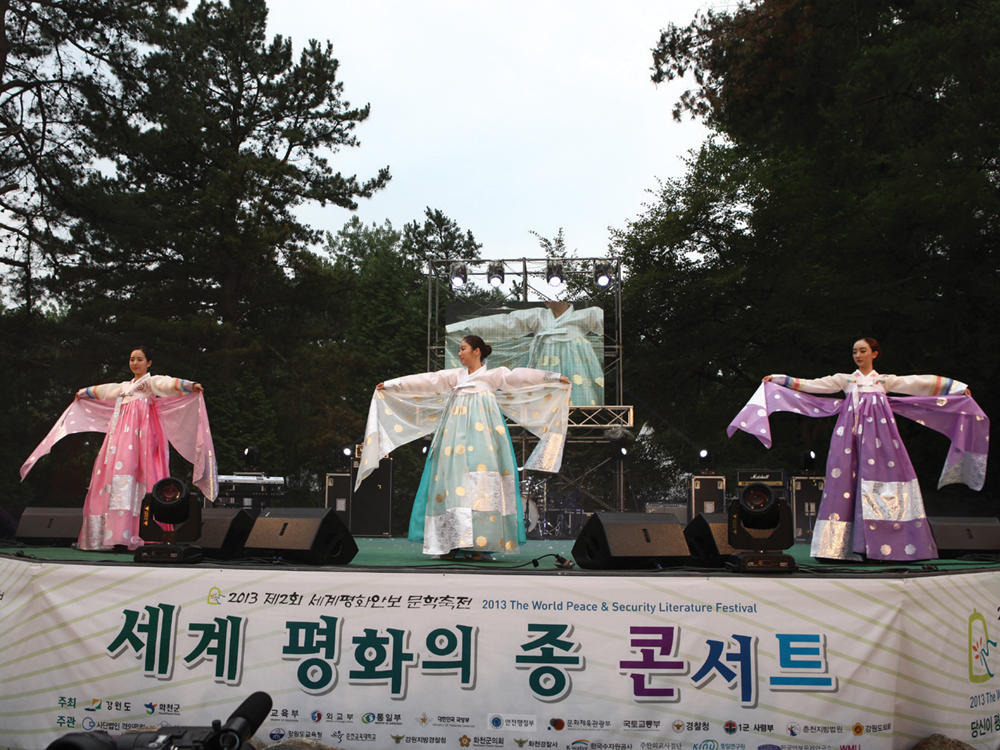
<point x="872" y="504"/>
<point x="469" y="499"/>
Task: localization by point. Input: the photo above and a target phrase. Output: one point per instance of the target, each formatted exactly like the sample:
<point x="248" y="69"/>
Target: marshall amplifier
<point x="773" y="478"/>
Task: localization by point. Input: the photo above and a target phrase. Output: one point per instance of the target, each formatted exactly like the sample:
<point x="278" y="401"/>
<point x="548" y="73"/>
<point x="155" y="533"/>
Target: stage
<point x="398" y="649"/>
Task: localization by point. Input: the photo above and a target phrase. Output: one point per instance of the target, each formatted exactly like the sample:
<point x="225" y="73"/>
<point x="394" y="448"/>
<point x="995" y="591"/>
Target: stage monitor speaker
<point x="371" y="503"/>
<point x="708" y="539"/>
<point x="49" y="526"/>
<point x="314" y="536"/>
<point x="631" y="541"/>
<point x="966" y="536"/>
<point x="224" y="531"/>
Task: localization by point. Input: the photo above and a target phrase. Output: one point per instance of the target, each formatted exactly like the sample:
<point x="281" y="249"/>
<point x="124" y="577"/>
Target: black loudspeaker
<point x="224" y="531"/>
<point x="708" y="539"/>
<point x="371" y="503"/>
<point x="708" y="495"/>
<point x="631" y="541"/>
<point x="338" y="496"/>
<point x="807" y="493"/>
<point x="49" y="526"/>
<point x="307" y="535"/>
<point x="965" y="536"/>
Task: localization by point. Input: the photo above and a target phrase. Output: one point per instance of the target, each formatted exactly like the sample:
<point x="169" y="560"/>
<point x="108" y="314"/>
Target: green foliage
<point x="439" y="238"/>
<point x="53" y="54"/>
<point x="851" y="190"/>
<point x="215" y="142"/>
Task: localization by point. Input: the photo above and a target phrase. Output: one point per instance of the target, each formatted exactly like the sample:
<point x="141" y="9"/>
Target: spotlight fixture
<point x="602" y="273"/>
<point x="807" y="461"/>
<point x="251" y="458"/>
<point x="176" y="504"/>
<point x="494" y="275"/>
<point x="706" y="461"/>
<point x="348" y="451"/>
<point x="459" y="274"/>
<point x="554" y="274"/>
<point x="761" y="521"/>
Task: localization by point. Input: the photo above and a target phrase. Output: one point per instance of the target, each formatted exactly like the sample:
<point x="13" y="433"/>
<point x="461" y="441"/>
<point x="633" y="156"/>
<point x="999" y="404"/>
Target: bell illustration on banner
<point x="979" y="648"/>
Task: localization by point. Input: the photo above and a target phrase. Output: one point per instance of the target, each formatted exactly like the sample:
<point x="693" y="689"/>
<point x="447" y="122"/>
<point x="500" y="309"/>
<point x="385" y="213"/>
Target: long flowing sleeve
<point x="185" y="424"/>
<point x="408" y="409"/>
<point x="772" y="397"/>
<point x="538" y="402"/>
<point x="84" y="415"/>
<point x="961" y="420"/>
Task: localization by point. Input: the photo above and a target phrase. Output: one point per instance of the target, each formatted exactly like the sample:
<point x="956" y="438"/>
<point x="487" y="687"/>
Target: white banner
<point x="357" y="659"/>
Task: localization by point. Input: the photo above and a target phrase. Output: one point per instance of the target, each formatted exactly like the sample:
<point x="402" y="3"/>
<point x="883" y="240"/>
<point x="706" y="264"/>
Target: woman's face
<point x="864" y="357"/>
<point x="468" y="356"/>
<point x="138" y="363"/>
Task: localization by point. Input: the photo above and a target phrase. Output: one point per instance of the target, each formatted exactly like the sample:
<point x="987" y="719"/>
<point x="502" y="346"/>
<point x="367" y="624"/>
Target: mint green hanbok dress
<point x="469" y="497"/>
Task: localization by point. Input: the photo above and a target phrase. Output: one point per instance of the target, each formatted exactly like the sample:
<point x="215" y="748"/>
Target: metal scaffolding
<point x="526" y="280"/>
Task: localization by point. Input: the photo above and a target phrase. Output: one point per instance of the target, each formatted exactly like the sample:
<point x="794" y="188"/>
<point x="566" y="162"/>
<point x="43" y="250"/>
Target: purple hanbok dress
<point x="871" y="502"/>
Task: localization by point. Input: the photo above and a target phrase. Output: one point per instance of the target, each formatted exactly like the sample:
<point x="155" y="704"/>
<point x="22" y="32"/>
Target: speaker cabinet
<point x="807" y="493"/>
<point x="708" y="539"/>
<point x="224" y="531"/>
<point x="338" y="496"/>
<point x="965" y="536"/>
<point x="631" y="541"/>
<point x="371" y="503"/>
<point x="315" y="536"/>
<point x="708" y="495"/>
<point x="49" y="526"/>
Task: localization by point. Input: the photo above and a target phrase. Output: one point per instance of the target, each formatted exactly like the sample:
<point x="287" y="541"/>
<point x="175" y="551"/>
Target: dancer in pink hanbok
<point x="872" y="504"/>
<point x="141" y="417"/>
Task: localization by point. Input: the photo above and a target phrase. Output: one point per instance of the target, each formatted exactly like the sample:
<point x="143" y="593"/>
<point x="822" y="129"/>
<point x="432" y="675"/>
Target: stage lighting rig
<point x="602" y="274"/>
<point x="251" y="458"/>
<point x="760" y="521"/>
<point x="554" y="274"/>
<point x="459" y="274"/>
<point x="495" y="275"/>
<point x="706" y="461"/>
<point x="172" y="501"/>
<point x="807" y="461"/>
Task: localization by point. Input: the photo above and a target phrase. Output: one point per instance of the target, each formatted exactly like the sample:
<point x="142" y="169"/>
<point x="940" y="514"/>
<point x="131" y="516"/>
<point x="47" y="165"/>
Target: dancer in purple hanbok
<point x="871" y="503"/>
<point x="141" y="417"/>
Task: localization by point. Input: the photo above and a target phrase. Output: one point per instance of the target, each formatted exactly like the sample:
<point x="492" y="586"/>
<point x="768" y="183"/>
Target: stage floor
<point x="400" y="554"/>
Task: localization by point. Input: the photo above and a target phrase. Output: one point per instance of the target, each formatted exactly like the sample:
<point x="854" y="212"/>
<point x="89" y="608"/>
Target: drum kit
<point x="548" y="516"/>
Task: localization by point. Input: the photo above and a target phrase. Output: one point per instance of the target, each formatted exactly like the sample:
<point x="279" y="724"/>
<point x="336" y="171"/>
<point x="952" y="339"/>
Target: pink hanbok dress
<point x="141" y="418"/>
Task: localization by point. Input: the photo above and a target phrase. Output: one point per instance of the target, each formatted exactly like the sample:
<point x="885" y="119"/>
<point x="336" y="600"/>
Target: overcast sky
<point x="508" y="116"/>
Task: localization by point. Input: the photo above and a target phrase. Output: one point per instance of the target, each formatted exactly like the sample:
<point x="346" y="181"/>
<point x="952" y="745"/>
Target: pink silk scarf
<point x="185" y="424"/>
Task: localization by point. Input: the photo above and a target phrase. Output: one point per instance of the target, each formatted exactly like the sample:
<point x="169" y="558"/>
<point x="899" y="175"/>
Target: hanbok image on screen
<point x="872" y="504"/>
<point x="561" y="336"/>
<point x="469" y="493"/>
<point x="140" y="419"/>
